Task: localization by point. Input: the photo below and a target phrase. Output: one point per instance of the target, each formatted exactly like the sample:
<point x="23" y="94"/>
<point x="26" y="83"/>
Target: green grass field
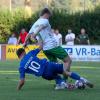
<point x="39" y="89"/>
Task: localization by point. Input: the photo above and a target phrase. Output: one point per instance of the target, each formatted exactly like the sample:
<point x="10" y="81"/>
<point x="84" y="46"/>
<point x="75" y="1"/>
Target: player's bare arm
<point x="18" y="40"/>
<point x="34" y="34"/>
<point x="20" y="84"/>
<point x="40" y="28"/>
<point x="27" y="37"/>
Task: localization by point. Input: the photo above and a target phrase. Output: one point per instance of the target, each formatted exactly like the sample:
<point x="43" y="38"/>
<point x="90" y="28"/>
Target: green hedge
<point x="88" y="20"/>
<point x="14" y="21"/>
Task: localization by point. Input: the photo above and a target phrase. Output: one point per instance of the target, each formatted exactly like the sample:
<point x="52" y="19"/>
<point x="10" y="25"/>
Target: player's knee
<point x="66" y="72"/>
<point x="67" y="59"/>
<point x="70" y="61"/>
<point x="66" y="67"/>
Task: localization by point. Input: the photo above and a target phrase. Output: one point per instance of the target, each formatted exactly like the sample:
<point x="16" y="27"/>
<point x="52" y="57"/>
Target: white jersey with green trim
<point x="45" y="34"/>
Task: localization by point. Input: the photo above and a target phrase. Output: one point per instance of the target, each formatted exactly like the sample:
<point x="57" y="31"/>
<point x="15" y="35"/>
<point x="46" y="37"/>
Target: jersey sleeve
<point x="31" y="30"/>
<point x="44" y="23"/>
<point x="35" y="52"/>
<point x="22" y="73"/>
<point x="36" y="26"/>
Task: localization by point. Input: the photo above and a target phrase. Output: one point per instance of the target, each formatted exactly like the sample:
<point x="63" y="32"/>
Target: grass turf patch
<point x="40" y="89"/>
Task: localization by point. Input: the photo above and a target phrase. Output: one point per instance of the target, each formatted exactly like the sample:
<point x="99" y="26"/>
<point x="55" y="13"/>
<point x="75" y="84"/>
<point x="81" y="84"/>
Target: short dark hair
<point x="20" y="51"/>
<point x="45" y="11"/>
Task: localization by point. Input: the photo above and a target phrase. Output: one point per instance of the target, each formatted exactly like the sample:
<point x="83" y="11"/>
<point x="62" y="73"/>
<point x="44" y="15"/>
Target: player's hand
<point x="24" y="45"/>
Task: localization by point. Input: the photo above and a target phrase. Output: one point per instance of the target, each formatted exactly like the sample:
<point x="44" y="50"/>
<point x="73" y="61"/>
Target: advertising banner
<point x="77" y="53"/>
<point x="11" y="51"/>
<point x="83" y="53"/>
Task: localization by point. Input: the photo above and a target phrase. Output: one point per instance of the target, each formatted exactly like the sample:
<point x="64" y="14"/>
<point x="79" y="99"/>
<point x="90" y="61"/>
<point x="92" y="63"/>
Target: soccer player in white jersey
<point x="42" y="29"/>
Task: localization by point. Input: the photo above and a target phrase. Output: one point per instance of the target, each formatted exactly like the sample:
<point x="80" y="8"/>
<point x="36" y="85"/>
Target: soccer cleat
<point x="86" y="82"/>
<point x="89" y="84"/>
<point x="61" y="86"/>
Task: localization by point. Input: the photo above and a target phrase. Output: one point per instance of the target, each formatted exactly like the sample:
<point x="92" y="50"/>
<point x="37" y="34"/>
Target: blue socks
<point x="59" y="79"/>
<point x="75" y="76"/>
<point x="65" y="78"/>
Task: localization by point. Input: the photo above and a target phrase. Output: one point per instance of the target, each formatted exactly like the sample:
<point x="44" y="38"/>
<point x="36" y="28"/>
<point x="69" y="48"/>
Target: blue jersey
<point x="31" y="64"/>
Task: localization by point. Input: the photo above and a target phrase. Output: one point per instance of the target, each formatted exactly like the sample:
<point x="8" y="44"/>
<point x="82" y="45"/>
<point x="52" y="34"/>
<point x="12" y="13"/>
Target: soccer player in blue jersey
<point x="31" y="64"/>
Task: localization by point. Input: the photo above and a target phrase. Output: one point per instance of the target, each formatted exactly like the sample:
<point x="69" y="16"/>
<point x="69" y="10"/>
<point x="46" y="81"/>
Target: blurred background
<point x="68" y="5"/>
<point x="73" y="14"/>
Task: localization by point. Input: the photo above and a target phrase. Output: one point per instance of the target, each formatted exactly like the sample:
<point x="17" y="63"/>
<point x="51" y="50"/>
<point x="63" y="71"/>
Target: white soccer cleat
<point x="61" y="86"/>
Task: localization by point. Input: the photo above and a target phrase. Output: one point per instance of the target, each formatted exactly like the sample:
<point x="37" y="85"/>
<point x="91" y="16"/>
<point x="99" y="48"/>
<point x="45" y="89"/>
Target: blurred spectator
<point x="53" y="31"/>
<point x="83" y="37"/>
<point x="22" y="36"/>
<point x="12" y="40"/>
<point x="70" y="37"/>
<point x="58" y="37"/>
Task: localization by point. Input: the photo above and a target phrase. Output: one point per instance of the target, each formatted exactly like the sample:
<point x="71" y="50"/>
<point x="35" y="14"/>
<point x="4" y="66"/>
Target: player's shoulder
<point x="20" y="66"/>
<point x="43" y="20"/>
<point x="30" y="54"/>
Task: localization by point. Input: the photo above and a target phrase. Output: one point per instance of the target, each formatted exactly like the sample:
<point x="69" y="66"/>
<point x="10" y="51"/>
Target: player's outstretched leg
<point x="67" y="63"/>
<point x="60" y="83"/>
<point x="88" y="83"/>
<point x="75" y="76"/>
